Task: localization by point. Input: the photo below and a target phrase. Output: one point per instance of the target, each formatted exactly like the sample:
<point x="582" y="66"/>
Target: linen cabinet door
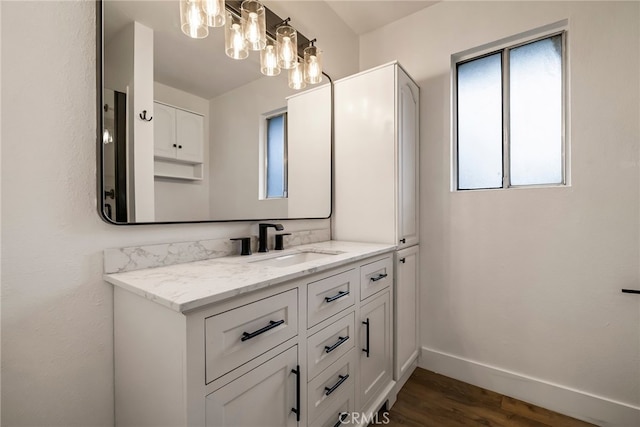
<point x="190" y="135"/>
<point x="406" y="311"/>
<point x="408" y="160"/>
<point x="375" y="342"/>
<point x="264" y="397"/>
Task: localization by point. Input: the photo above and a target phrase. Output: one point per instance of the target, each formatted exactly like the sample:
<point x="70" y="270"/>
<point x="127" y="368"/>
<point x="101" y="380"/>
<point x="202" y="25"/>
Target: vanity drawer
<point x="340" y="410"/>
<point x="375" y="277"/>
<point x="330" y="295"/>
<point x="327" y="388"/>
<point x="329" y="344"/>
<point x="236" y="336"/>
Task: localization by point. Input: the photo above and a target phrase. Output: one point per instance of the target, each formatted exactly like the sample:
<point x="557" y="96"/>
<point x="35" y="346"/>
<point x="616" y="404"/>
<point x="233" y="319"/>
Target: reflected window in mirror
<point x="276" y="157"/>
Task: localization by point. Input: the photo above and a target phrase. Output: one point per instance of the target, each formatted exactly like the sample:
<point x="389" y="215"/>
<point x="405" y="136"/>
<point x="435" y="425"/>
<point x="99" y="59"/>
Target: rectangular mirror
<point x="191" y="135"/>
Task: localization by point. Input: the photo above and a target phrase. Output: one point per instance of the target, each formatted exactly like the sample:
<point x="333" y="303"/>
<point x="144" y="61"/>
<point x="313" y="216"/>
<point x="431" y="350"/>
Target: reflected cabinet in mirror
<point x="189" y="134"/>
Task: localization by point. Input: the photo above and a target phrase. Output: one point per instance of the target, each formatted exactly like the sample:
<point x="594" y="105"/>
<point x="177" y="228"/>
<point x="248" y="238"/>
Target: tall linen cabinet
<point x="376" y="186"/>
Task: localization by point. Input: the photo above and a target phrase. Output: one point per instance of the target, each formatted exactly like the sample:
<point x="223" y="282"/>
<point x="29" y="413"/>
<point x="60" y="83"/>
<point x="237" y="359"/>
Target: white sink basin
<point x="290" y="259"/>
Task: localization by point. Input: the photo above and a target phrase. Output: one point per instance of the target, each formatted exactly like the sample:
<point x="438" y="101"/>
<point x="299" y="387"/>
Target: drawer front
<point x="375" y="277"/>
<point x="330" y="295"/>
<point x="339" y="411"/>
<point x="237" y="336"/>
<point x="327" y="388"/>
<point x="329" y="344"/>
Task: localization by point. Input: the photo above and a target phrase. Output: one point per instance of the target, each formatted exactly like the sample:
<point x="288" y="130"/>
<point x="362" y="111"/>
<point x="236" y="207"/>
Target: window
<point x="276" y="157"/>
<point x="510" y="116"/>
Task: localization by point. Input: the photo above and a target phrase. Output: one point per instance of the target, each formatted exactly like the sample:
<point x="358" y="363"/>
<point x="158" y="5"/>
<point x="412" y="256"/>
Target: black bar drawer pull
<point x="333" y="388"/>
<point x="379" y="277"/>
<point x="272" y="324"/>
<point x="403" y="240"/>
<point x="341" y="340"/>
<point x="296" y="410"/>
<point x="631" y="291"/>
<point x="336" y="296"/>
<point x="341" y="418"/>
<point x="366" y="350"/>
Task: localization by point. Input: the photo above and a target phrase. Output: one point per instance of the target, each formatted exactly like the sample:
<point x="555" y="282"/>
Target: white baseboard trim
<point x="574" y="403"/>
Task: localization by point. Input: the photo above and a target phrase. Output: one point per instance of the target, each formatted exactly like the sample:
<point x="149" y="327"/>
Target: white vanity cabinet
<point x="377" y="184"/>
<point x="290" y="354"/>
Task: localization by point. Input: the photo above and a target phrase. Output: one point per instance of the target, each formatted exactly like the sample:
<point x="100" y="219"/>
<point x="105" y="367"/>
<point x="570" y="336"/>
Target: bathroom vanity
<point x="294" y="338"/>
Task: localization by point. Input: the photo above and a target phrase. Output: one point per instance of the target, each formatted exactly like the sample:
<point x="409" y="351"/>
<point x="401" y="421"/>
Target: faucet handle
<point x="280" y="241"/>
<point x="246" y="245"/>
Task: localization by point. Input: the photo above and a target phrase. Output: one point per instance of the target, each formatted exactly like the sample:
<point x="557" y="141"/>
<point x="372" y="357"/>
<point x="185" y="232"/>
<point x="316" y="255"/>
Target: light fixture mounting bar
<point x="273" y="21"/>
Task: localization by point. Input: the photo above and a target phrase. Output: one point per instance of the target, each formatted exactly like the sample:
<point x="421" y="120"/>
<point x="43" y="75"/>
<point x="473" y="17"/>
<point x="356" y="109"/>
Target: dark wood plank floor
<point x="429" y="399"/>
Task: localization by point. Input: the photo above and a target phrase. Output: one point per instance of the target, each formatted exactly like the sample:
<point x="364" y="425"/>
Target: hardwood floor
<point x="429" y="399"/>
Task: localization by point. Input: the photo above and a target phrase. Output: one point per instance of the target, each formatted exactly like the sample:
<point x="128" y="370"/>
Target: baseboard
<point x="574" y="403"/>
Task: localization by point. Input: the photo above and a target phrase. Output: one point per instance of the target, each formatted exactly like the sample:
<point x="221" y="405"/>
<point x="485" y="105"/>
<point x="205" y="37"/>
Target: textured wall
<point x="57" y="344"/>
<point x="528" y="280"/>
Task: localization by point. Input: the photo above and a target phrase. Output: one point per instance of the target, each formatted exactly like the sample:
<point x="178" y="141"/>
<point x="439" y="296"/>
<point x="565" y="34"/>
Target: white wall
<point x="529" y="280"/>
<point x="181" y="200"/>
<point x="57" y="343"/>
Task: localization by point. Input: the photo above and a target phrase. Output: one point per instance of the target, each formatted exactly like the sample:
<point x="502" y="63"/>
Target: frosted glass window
<point x="536" y="112"/>
<point x="480" y="123"/>
<point x="510" y="116"/>
<point x="276" y="168"/>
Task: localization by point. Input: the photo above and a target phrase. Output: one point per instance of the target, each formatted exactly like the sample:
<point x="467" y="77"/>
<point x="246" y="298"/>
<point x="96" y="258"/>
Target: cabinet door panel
<point x="164" y="131"/>
<point x="406" y="309"/>
<point x="263" y="397"/>
<point x="375" y="370"/>
<point x="190" y="134"/>
<point x="408" y="105"/>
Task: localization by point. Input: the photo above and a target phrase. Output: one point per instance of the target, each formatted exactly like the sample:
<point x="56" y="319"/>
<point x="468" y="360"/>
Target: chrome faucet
<point x="262" y="235"/>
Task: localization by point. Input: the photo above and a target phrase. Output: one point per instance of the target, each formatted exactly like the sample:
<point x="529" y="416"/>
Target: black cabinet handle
<point x="341" y="417"/>
<point x="403" y="240"/>
<point x="179" y="146"/>
<point x="341" y="340"/>
<point x="336" y="296"/>
<point x="366" y="350"/>
<point x="329" y="390"/>
<point x="379" y="277"/>
<point x="296" y="410"/>
<point x="403" y="260"/>
<point x="272" y="324"/>
<point x="631" y="291"/>
<point x="175" y="145"/>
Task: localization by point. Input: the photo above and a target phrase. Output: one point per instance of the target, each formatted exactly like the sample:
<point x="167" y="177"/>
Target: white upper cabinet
<point x="178" y="134"/>
<point x="377" y="157"/>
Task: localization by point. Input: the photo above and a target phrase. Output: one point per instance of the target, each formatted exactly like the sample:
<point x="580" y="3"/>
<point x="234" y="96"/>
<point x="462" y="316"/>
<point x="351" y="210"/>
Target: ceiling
<point x="200" y="66"/>
<point x="363" y="16"/>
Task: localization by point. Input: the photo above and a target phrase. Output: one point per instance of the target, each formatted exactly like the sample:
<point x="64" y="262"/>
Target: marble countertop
<point x="184" y="287"/>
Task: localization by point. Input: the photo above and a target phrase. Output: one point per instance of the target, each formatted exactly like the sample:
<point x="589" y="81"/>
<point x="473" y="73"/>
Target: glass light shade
<point x="235" y="44"/>
<point x="269" y="60"/>
<point x="193" y="20"/>
<point x="287" y="40"/>
<point x="214" y="12"/>
<point x="254" y="27"/>
<point x="296" y="76"/>
<point x="312" y="65"/>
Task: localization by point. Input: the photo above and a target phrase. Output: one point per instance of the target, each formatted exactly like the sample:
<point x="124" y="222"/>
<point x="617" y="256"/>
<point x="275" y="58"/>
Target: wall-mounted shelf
<point x="177" y="170"/>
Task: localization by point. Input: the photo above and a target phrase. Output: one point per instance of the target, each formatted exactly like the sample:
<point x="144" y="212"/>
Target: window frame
<point x="504" y="47"/>
<point x="284" y="114"/>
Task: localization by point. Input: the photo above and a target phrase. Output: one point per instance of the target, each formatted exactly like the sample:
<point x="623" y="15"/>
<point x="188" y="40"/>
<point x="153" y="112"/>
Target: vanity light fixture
<point x="253" y="24"/>
<point x="287" y="41"/>
<point x="269" y="59"/>
<point x="215" y="12"/>
<point x="193" y="21"/>
<point x="312" y="63"/>
<point x="249" y="25"/>
<point x="235" y="44"/>
<point x="296" y="76"/>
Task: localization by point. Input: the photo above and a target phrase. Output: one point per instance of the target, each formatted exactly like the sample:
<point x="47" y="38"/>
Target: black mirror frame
<point x="99" y="144"/>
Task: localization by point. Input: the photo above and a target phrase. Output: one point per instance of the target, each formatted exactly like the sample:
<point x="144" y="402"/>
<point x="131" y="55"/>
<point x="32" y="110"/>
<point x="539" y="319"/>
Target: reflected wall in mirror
<point x="190" y="134"/>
